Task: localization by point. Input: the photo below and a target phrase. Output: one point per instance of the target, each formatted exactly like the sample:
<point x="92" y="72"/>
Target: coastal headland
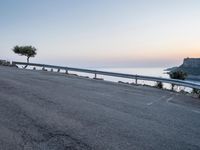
<point x="191" y="66"/>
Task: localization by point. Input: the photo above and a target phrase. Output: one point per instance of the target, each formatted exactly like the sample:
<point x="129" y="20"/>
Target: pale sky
<point x="102" y="33"/>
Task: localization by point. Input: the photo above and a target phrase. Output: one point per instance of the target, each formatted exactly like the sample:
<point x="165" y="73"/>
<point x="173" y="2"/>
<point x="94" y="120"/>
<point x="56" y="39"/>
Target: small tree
<point x="177" y="75"/>
<point x="28" y="51"/>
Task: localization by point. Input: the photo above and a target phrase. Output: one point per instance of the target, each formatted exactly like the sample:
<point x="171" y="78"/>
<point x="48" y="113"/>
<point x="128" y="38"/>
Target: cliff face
<point x="191" y="66"/>
<point x="191" y="63"/>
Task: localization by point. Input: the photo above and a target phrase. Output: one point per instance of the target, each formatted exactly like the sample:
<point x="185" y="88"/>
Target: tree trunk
<point x="27" y="62"/>
<point x="28" y="59"/>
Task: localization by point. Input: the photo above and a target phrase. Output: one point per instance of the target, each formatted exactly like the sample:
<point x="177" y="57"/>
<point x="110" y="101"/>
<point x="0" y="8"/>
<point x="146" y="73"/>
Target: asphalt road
<point x="50" y="111"/>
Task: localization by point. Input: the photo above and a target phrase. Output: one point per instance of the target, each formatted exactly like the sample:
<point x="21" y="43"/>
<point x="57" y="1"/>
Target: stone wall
<point x="5" y="63"/>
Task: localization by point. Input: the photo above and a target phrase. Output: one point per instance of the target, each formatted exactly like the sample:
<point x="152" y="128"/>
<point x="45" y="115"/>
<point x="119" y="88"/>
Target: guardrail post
<point x="66" y="71"/>
<point x="173" y="85"/>
<point x="95" y="76"/>
<point x="13" y="64"/>
<point x="136" y="80"/>
<point x="51" y="70"/>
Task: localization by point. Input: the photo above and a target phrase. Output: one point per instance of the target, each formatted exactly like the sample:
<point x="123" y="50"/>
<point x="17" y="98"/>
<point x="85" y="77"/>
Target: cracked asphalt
<point x="50" y="111"/>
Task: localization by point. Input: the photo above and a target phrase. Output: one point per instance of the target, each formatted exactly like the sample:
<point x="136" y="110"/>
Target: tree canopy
<point x="28" y="51"/>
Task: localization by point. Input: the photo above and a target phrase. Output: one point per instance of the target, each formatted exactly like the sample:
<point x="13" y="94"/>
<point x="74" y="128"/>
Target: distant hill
<point x="190" y="65"/>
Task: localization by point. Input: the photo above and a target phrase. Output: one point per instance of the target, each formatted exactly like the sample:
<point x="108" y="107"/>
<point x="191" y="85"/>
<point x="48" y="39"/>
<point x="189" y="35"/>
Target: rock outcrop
<point x="5" y="63"/>
<point x="191" y="66"/>
<point x="191" y="63"/>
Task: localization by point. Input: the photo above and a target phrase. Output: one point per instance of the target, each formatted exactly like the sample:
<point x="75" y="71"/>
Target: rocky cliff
<point x="191" y="63"/>
<point x="191" y="66"/>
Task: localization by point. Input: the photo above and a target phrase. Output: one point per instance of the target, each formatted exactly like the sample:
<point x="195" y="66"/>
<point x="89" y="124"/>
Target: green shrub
<point x="178" y="75"/>
<point x="196" y="91"/>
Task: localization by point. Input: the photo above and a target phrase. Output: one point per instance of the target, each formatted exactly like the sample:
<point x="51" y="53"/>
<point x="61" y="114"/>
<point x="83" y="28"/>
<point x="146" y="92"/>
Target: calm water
<point x="155" y="72"/>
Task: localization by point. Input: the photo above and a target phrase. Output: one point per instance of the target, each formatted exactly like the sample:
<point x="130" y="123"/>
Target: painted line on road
<point x="169" y="99"/>
<point x="196" y="111"/>
<point x="150" y="103"/>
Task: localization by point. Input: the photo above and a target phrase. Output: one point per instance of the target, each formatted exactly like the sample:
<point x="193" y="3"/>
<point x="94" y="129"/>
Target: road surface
<point x="50" y="111"/>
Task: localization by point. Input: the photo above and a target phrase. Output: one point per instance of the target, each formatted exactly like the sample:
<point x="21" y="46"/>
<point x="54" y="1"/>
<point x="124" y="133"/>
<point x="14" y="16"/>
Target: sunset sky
<point x="102" y="33"/>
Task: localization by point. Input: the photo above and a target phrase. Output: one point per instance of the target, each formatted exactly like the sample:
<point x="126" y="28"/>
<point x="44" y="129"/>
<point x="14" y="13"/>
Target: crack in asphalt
<point x="47" y="138"/>
<point x="34" y="133"/>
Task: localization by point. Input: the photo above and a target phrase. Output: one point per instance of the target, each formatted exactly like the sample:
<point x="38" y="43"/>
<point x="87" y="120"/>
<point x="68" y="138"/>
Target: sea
<point x="154" y="72"/>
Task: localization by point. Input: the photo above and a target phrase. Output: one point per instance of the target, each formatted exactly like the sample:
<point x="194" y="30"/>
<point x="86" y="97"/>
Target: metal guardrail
<point x="122" y="75"/>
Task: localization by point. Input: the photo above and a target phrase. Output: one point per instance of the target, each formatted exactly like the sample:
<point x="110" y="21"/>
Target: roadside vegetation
<point x="179" y="74"/>
<point x="28" y="51"/>
<point x="196" y="92"/>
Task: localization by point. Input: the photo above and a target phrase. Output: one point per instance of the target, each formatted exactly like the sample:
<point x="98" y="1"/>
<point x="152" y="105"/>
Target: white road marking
<point x="169" y="99"/>
<point x="196" y="111"/>
<point x="149" y="103"/>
